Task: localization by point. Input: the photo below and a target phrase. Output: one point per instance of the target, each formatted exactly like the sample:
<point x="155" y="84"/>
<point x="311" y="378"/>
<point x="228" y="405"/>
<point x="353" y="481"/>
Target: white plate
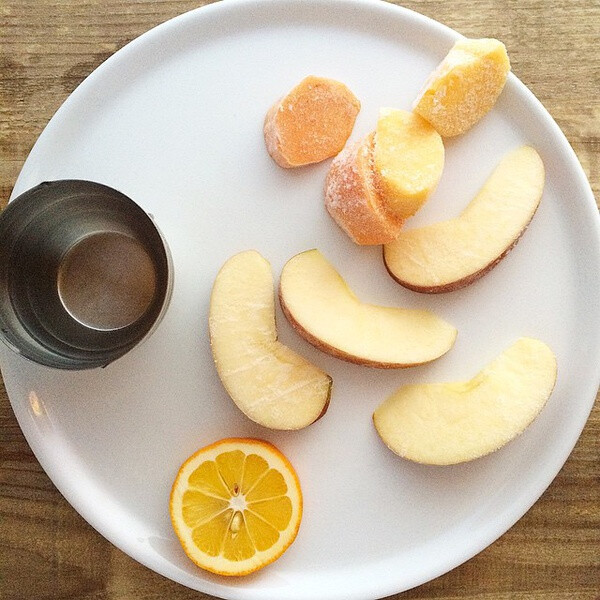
<point x="175" y="120"/>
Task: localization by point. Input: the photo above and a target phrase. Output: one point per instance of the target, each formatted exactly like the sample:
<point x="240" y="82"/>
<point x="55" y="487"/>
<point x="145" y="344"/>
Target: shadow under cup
<point x="85" y="275"/>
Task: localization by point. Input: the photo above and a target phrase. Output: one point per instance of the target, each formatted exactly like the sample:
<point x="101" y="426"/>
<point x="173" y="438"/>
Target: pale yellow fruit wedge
<point x="452" y="254"/>
<point x="465" y="86"/>
<point x="448" y="423"/>
<point x="325" y="311"/>
<point x="408" y="158"/>
<point x="268" y="381"/>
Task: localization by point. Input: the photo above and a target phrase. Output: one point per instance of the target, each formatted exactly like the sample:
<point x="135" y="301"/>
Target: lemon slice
<point x="236" y="506"/>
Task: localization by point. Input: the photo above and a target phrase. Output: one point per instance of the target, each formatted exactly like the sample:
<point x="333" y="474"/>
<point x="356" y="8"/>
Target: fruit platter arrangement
<point x="237" y="505"/>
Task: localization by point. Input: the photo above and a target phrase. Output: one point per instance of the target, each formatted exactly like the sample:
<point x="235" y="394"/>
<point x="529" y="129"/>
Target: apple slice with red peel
<point x="324" y="310"/>
<point x="268" y="381"/>
<point x="448" y="423"/>
<point x="449" y="255"/>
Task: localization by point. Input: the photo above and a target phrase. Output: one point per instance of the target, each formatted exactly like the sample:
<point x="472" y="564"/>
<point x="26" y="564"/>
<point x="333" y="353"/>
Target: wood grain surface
<point x="47" y="551"/>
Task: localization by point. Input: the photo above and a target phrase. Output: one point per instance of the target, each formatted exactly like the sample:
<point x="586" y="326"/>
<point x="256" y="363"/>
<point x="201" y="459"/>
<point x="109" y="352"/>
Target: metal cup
<point x="85" y="274"/>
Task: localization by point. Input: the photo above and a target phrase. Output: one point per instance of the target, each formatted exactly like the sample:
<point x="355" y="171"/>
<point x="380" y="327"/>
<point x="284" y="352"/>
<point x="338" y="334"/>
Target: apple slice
<point x="270" y="383"/>
<point x="450" y="255"/>
<point x="324" y="310"/>
<point x="449" y="423"/>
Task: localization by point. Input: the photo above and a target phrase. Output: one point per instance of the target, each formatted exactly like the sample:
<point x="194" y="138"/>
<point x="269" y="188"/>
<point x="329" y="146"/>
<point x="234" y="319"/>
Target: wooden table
<point x="47" y="551"/>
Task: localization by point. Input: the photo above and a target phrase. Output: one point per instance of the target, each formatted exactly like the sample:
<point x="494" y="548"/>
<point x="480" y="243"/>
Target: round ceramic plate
<point x="174" y="120"/>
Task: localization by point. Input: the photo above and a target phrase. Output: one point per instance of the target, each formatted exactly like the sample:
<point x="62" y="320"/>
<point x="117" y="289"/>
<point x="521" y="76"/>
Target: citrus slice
<point x="236" y="506"/>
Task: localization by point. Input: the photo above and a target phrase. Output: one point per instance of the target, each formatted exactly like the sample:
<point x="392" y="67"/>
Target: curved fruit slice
<point x="325" y="311"/>
<point x="270" y="383"/>
<point x="408" y="160"/>
<point x="452" y="254"/>
<point x="353" y="200"/>
<point x="311" y="123"/>
<point x="465" y="86"/>
<point x="236" y="506"/>
<point x="448" y="423"/>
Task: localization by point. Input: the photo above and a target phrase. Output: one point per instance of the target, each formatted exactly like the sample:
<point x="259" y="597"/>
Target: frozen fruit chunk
<point x="352" y="199"/>
<point x="408" y="158"/>
<point x="311" y="123"/>
<point x="465" y="86"/>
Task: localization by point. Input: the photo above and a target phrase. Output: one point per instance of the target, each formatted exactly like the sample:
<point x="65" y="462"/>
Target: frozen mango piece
<point x="353" y="200"/>
<point x="311" y="123"/>
<point x="408" y="159"/>
<point x="465" y="86"/>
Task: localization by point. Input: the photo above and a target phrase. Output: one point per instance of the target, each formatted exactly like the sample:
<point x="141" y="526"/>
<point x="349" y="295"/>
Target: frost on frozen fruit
<point x="310" y="123"/>
<point x="465" y="86"/>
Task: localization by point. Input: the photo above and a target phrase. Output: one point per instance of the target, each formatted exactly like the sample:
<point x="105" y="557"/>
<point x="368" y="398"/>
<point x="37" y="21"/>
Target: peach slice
<point x="449" y="255"/>
<point x="311" y="123"/>
<point x="465" y="86"/>
<point x="352" y="198"/>
<point x="408" y="160"/>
